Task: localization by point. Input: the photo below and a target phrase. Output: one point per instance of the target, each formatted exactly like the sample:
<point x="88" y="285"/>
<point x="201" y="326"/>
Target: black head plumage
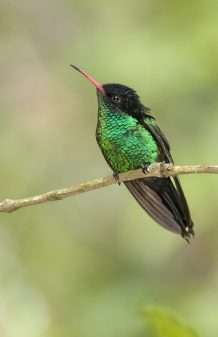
<point x="126" y="99"/>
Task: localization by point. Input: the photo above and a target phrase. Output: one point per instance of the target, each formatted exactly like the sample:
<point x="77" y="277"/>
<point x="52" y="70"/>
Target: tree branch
<point x="161" y="170"/>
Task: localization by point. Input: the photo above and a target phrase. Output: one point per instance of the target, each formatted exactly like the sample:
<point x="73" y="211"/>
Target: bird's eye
<point x="115" y="99"/>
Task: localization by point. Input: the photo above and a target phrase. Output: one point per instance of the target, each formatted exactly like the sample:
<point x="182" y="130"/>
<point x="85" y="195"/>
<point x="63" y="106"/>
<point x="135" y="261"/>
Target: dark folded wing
<point x="166" y="156"/>
<point x="162" y="198"/>
<point x="158" y="206"/>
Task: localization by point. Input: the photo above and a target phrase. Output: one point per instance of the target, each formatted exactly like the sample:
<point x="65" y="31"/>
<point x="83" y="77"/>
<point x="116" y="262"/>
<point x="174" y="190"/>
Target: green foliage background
<point x="92" y="265"/>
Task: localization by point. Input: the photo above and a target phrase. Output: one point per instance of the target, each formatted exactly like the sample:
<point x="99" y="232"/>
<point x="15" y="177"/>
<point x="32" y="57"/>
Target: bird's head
<point x="118" y="96"/>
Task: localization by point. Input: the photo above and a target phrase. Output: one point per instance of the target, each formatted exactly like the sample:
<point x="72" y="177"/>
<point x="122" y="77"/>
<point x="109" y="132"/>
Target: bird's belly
<point x="128" y="150"/>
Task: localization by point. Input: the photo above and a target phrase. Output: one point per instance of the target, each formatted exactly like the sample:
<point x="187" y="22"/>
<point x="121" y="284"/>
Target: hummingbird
<point x="129" y="139"/>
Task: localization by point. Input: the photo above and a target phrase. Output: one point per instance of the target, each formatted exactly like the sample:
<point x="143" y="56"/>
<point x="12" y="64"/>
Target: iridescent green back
<point x="124" y="142"/>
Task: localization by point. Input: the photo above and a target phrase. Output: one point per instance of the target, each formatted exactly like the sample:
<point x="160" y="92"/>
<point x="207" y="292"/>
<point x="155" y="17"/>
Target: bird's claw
<point x="117" y="177"/>
<point x="145" y="168"/>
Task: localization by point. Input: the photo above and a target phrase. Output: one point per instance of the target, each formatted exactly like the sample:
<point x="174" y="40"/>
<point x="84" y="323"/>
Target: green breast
<point x="124" y="142"/>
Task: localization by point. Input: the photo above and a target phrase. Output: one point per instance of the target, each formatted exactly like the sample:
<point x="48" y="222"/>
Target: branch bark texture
<point x="161" y="170"/>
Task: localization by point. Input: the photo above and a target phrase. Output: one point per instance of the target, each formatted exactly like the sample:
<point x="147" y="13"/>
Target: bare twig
<point x="161" y="170"/>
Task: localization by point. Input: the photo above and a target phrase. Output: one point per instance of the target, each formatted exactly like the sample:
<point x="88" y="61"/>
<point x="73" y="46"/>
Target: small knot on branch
<point x="165" y="170"/>
<point x="8" y="206"/>
<point x="160" y="170"/>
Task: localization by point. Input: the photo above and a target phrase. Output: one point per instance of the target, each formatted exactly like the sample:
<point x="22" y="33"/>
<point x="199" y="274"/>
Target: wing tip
<point x="188" y="232"/>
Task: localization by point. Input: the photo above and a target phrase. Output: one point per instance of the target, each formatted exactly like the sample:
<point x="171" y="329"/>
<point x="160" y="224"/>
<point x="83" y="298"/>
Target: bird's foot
<point x="145" y="168"/>
<point x="117" y="177"/>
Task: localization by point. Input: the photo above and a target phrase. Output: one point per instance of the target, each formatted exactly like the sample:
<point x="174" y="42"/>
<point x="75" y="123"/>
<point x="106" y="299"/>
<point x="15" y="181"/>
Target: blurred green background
<point x="94" y="264"/>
